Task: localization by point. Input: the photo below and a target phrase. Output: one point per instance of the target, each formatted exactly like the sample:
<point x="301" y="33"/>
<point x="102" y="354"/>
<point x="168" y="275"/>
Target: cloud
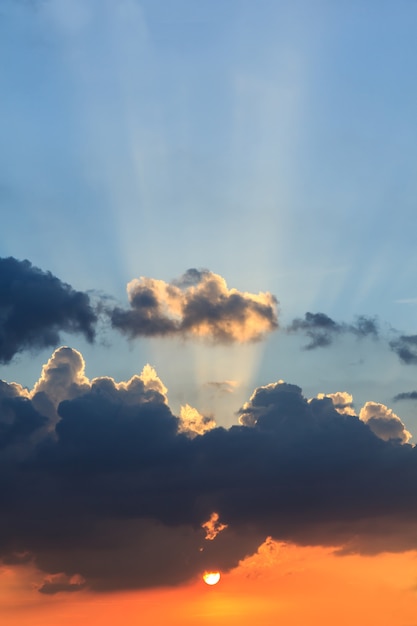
<point x="61" y="583"/>
<point x="19" y="419"/>
<point x="115" y="494"/>
<point x="322" y="330"/>
<point x="35" y="307"/>
<point x="199" y="304"/>
<point x="342" y="401"/>
<point x="406" y="348"/>
<point x="384" y="422"/>
<point x="193" y="423"/>
<point x="223" y="386"/>
<point x="62" y="378"/>
<point x="406" y="395"/>
<point x="213" y="526"/>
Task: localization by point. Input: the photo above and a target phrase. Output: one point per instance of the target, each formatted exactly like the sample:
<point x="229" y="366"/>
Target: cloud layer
<point x="199" y="304"/>
<point x="103" y="486"/>
<point x="36" y="307"/>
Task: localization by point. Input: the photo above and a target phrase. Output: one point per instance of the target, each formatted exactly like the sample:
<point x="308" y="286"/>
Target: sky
<point x="208" y="334"/>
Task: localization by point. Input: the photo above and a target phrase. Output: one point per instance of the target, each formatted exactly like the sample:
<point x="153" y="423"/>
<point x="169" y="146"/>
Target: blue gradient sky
<point x="271" y="142"/>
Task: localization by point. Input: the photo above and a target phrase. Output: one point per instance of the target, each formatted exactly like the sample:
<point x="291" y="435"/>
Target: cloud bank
<point x="103" y="486"/>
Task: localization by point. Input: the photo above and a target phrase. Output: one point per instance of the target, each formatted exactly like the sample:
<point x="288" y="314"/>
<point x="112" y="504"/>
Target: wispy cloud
<point x="405" y="395"/>
<point x="322" y="330"/>
<point x="406" y="348"/>
<point x="223" y="386"/>
<point x="407" y="301"/>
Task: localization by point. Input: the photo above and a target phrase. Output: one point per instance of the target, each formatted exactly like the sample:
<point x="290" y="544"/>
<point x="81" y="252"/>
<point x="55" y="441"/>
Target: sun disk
<point x="211" y="578"/>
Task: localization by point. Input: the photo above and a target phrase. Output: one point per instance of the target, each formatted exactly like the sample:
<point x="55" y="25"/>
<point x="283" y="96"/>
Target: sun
<point x="211" y="578"/>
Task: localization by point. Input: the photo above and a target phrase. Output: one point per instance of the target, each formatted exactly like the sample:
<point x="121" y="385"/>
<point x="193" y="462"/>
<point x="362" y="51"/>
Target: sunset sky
<point x="208" y="312"/>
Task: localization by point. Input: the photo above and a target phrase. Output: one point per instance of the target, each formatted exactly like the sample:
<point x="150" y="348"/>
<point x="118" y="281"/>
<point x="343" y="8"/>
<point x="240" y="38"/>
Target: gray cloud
<point x="322" y="330"/>
<point x="199" y="304"/>
<point x="406" y="395"/>
<point x="114" y="493"/>
<point x="35" y="307"/>
<point x="406" y="348"/>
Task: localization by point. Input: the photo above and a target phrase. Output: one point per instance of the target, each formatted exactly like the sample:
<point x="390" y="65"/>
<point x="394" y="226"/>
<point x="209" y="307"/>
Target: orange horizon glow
<point x="285" y="583"/>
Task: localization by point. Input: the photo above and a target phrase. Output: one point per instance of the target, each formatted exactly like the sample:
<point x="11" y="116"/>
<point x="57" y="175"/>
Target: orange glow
<point x="211" y="578"/>
<point x="280" y="584"/>
<point x="213" y="527"/>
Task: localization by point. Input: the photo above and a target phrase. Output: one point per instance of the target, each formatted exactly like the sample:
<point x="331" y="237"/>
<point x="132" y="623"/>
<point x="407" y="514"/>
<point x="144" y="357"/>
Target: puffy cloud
<point x="35" y="307"/>
<point x="322" y="330"/>
<point x="19" y="419"/>
<point x="152" y="382"/>
<point x="265" y="399"/>
<point x="116" y="494"/>
<point x="384" y="422"/>
<point x="62" y="378"/>
<point x="194" y="423"/>
<point x="342" y="401"/>
<point x="199" y="304"/>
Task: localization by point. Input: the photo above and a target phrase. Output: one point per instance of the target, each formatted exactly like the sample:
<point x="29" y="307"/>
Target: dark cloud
<point x="322" y="330"/>
<point x="406" y="395"/>
<point x="198" y="304"/>
<point x="406" y="348"/>
<point x="35" y="307"/>
<point x="19" y="419"/>
<point x="117" y="494"/>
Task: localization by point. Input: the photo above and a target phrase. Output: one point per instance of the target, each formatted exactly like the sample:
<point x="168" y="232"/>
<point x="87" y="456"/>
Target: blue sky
<point x="271" y="142"/>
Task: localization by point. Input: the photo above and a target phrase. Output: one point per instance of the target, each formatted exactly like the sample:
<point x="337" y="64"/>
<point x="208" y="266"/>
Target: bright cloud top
<point x="384" y="422"/>
<point x="199" y="304"/>
<point x="342" y="401"/>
